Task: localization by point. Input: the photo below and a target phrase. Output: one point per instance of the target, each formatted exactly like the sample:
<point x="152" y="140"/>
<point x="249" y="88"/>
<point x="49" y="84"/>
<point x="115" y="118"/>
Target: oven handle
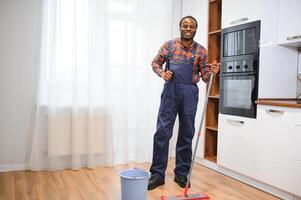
<point x="238" y="74"/>
<point x="235" y="122"/>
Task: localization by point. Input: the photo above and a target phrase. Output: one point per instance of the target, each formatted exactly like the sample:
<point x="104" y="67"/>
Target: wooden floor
<point x="103" y="183"/>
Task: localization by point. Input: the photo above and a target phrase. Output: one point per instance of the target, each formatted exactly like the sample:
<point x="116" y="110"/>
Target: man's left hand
<point x="214" y="67"/>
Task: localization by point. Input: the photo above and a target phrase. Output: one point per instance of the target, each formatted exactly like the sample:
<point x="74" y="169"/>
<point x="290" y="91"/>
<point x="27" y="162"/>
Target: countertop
<point x="279" y="102"/>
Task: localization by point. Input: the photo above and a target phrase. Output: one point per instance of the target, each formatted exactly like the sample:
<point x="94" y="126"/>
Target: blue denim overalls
<point x="179" y="96"/>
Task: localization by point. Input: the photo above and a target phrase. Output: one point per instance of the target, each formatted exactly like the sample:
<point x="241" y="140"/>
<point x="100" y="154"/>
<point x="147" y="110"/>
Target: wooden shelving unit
<point x="211" y="121"/>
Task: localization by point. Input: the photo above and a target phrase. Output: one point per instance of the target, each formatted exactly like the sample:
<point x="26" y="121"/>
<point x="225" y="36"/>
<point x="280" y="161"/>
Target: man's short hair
<point x="188" y="16"/>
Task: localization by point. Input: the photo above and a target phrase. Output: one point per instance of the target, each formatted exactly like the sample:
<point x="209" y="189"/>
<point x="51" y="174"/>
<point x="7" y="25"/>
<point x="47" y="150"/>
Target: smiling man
<point x="186" y="62"/>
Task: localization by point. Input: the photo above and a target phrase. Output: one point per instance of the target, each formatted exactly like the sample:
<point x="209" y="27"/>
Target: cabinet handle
<point x="275" y="112"/>
<point x="239" y="20"/>
<point x="235" y="122"/>
<point x="294" y="37"/>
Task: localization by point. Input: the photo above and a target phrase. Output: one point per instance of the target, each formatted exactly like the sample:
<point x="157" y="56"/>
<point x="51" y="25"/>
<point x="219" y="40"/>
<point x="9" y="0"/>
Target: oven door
<point x="238" y="93"/>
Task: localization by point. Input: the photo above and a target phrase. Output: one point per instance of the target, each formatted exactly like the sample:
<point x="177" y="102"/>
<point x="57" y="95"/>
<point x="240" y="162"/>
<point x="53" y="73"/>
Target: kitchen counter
<point x="278" y="102"/>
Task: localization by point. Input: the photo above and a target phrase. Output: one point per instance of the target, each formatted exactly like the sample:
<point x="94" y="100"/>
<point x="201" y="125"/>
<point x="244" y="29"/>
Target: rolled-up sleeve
<point x="160" y="59"/>
<point x="203" y="67"/>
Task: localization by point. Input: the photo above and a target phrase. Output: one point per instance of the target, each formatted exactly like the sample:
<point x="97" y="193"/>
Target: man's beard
<point x="187" y="39"/>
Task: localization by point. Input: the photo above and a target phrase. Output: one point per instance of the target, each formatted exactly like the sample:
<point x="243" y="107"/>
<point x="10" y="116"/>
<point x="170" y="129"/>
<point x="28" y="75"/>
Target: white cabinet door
<point x="297" y="178"/>
<point x="269" y="22"/>
<point x="289" y="22"/>
<point x="277" y="72"/>
<point x="297" y="158"/>
<point x="274" y="146"/>
<point x="297" y="143"/>
<point x="236" y="12"/>
<point x="278" y="64"/>
<point x="236" y="143"/>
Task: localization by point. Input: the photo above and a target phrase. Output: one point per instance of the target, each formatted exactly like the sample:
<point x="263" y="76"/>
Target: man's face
<point x="188" y="29"/>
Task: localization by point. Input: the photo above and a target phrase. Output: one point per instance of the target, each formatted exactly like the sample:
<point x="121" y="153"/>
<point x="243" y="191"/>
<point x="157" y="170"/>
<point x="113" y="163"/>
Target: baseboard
<point x="250" y="181"/>
<point x="13" y="167"/>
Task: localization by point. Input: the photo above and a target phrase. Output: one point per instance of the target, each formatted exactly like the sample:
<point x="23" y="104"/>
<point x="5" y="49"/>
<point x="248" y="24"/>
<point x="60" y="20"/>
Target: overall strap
<point x="194" y="51"/>
<point x="195" y="45"/>
<point x="194" y="56"/>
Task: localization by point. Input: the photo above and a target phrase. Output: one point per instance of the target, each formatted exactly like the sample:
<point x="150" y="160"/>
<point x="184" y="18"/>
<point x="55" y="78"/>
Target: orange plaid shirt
<point x="176" y="51"/>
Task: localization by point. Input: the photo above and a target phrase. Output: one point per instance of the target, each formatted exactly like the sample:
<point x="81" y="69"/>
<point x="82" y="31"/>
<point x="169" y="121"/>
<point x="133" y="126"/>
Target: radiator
<point x="79" y="133"/>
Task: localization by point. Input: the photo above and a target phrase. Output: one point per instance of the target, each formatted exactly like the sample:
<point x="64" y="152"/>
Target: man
<point x="185" y="60"/>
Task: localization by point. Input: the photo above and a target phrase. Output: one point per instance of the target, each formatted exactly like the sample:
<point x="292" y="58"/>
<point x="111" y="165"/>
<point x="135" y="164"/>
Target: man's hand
<point x="214" y="67"/>
<point x="166" y="75"/>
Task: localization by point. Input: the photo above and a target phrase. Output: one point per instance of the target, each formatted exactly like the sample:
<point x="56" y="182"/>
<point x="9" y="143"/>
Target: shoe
<point x="154" y="182"/>
<point x="181" y="181"/>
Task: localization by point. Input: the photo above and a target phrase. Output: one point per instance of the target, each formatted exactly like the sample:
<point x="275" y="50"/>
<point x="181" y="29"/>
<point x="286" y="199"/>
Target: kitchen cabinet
<point x="278" y="64"/>
<point x="277" y="72"/>
<point x="289" y="23"/>
<point x="297" y="178"/>
<point x="288" y="15"/>
<point x="274" y="146"/>
<point x="235" y="12"/>
<point x="297" y="143"/>
<point x="236" y="148"/>
<point x="297" y="161"/>
<point x="297" y="155"/>
<point x="269" y="22"/>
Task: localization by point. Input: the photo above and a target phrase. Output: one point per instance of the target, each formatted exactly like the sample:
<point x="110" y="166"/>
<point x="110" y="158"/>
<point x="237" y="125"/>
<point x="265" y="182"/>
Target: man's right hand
<point x="166" y="75"/>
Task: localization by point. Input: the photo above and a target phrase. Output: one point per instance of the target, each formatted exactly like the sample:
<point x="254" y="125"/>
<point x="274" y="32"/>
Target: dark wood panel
<point x="214" y="21"/>
<point x="210" y="143"/>
<point x="279" y="102"/>
<point x="212" y="112"/>
<point x="213" y="48"/>
<point x="214" y="39"/>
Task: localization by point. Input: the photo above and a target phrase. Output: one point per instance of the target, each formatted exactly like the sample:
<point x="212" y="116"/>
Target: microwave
<point x="240" y="41"/>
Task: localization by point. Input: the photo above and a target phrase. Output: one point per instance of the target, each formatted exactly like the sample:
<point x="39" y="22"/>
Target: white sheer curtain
<point x="98" y="98"/>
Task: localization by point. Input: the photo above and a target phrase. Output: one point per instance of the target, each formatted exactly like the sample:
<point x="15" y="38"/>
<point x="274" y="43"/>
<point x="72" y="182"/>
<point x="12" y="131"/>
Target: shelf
<point x="211" y="158"/>
<point x="212" y="128"/>
<point x="214" y="93"/>
<point x="215" y="32"/>
<point x="210" y="143"/>
<point x="214" y="47"/>
<point x="213" y="1"/>
<point x="214" y="20"/>
<point x="214" y="96"/>
<point x="214" y="40"/>
<point x="212" y="113"/>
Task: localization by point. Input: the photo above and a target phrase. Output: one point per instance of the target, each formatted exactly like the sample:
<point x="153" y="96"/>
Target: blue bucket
<point x="134" y="184"/>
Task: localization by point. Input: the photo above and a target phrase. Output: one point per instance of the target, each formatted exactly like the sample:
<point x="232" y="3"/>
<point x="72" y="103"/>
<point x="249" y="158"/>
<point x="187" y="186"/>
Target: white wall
<point x="19" y="21"/>
<point x="19" y="36"/>
<point x="199" y="10"/>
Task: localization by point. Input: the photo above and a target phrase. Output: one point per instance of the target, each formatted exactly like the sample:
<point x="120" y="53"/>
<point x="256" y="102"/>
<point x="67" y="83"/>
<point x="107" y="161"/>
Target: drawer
<point x="297" y="143"/>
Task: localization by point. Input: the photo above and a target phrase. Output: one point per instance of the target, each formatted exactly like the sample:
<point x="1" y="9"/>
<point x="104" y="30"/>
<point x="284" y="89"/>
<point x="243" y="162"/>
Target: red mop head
<point x="196" y="196"/>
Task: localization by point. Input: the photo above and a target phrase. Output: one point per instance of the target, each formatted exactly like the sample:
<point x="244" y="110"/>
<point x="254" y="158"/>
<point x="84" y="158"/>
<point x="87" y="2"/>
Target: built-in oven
<point x="239" y="70"/>
<point x="239" y="90"/>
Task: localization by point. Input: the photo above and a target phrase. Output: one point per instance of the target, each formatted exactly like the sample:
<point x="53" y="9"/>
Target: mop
<point x="196" y="196"/>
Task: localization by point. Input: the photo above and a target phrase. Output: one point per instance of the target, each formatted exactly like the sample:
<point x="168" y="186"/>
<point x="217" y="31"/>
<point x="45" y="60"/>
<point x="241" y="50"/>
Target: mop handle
<point x="199" y="133"/>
